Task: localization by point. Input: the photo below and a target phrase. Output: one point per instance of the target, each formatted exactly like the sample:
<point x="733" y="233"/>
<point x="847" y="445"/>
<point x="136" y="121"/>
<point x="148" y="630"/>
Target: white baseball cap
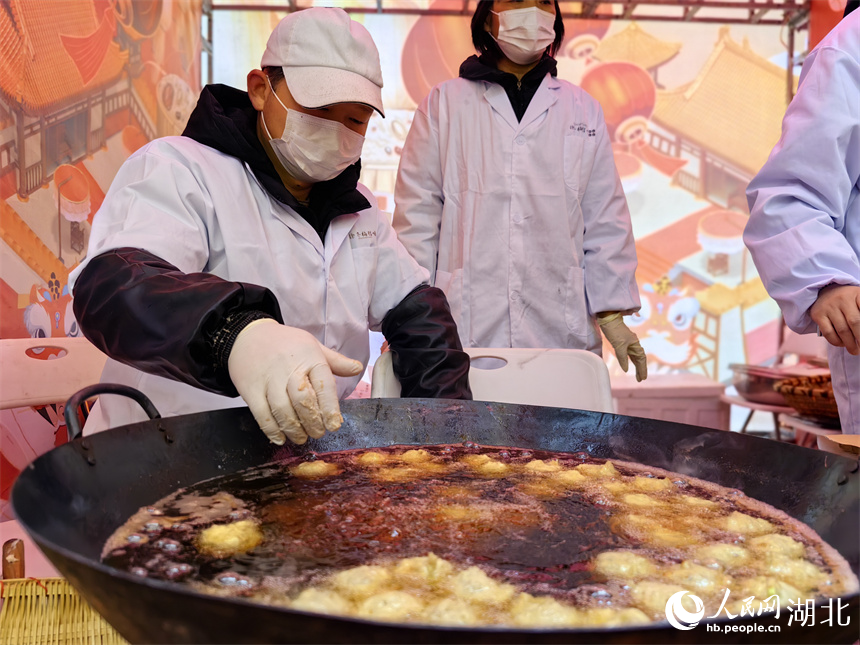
<point x="327" y="58"/>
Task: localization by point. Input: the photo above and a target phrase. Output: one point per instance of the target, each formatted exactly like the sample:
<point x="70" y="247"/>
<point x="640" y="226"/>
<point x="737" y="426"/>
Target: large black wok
<point x="72" y="498"/>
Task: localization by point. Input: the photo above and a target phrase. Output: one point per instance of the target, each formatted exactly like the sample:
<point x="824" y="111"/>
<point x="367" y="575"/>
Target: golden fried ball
<point x="624" y="564"/>
<point x="541" y="466"/>
<point x="371" y="459"/>
<point x="737" y="522"/>
<point x="428" y="570"/>
<point x="312" y="469"/>
<point x="415" y="456"/>
<point x="652" y="484"/>
<point x="322" y="601"/>
<point x="390" y="605"/>
<point x="473" y="585"/>
<point x="361" y="582"/>
<point x="224" y="540"/>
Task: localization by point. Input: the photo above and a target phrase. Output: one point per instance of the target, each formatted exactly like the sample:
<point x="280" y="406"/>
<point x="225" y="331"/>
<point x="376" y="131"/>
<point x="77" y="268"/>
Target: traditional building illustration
<point x="724" y="122"/>
<point x="635" y="45"/>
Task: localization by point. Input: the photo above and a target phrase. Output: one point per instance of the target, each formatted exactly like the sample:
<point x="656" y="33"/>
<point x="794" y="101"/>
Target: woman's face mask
<point x="314" y="149"/>
<point x="524" y="34"/>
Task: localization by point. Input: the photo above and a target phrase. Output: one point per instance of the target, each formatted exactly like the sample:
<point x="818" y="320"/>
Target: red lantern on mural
<point x="73" y="204"/>
<point x="433" y="52"/>
<point x="627" y="94"/>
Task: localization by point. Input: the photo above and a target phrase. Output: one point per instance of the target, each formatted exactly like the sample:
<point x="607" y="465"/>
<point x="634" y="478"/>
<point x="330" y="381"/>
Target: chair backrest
<point x="28" y="378"/>
<point x="560" y="378"/>
<point x="804" y="346"/>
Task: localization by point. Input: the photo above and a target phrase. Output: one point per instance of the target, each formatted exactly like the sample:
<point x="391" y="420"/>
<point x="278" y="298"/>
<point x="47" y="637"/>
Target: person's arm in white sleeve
<point x="418" y="192"/>
<point x="610" y="254"/>
<point x="799" y="198"/>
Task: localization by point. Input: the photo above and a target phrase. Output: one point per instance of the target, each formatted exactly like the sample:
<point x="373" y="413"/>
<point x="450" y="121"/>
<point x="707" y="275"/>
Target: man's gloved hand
<point x="285" y="376"/>
<point x="624" y="342"/>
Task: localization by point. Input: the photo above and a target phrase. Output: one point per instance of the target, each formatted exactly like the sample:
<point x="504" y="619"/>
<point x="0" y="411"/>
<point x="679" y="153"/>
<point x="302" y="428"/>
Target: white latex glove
<point x="624" y="342"/>
<point x="285" y="376"/>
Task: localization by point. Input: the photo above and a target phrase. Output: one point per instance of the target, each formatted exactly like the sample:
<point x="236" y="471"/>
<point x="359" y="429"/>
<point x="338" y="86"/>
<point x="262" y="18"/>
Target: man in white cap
<point x="244" y="258"/>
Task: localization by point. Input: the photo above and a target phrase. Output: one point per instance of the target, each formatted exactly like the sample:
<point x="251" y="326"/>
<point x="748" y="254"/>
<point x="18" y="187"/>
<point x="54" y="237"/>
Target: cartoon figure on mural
<point x="664" y="325"/>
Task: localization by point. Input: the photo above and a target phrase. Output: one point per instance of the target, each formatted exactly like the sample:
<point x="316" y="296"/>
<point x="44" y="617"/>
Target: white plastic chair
<point x="560" y="378"/>
<point x="26" y="380"/>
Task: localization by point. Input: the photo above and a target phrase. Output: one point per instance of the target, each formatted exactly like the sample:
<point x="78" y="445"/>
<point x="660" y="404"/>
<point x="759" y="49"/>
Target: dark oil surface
<point x="313" y="527"/>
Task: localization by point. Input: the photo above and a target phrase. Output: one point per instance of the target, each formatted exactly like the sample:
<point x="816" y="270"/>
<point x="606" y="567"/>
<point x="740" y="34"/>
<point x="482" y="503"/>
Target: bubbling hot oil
<point x="532" y="519"/>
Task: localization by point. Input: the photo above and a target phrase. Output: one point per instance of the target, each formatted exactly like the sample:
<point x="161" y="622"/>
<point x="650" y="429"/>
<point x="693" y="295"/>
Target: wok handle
<point x="73" y="427"/>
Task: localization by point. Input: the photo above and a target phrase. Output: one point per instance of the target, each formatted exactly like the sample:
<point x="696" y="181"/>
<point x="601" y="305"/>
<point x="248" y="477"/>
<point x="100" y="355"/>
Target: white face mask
<point x="524" y="34"/>
<point x="313" y="149"/>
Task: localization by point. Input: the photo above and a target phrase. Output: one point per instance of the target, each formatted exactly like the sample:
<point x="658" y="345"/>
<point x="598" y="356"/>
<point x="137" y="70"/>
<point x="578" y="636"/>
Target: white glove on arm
<point x="624" y="342"/>
<point x="285" y="375"/>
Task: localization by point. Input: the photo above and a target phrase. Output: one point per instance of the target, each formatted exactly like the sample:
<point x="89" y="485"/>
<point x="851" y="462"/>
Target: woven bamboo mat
<point x="50" y="612"/>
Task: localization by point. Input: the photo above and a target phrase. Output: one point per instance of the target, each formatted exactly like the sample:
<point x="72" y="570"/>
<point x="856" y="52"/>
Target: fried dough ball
<point x="473" y="585"/>
<point x="390" y="605"/>
<point x="641" y="500"/>
<point x="372" y="459"/>
<point x="492" y="468"/>
<point x="361" y="582"/>
<point x="311" y="469"/>
<point x="615" y="487"/>
<point x="474" y="460"/>
<point x="651" y="532"/>
<point x="652" y="596"/>
<point x="543" y="488"/>
<point x="541" y="466"/>
<point x="776" y="544"/>
<point x="698" y="502"/>
<point x="623" y="564"/>
<point x="450" y="611"/>
<point x="652" y="484"/>
<point x="415" y="456"/>
<point x="322" y="601"/>
<point x="696" y="578"/>
<point x="763" y="587"/>
<point x="723" y="554"/>
<point x="746" y="524"/>
<point x="800" y="573"/>
<point x="224" y="540"/>
<point x="569" y="478"/>
<point x="427" y="570"/>
<point x="543" y="611"/>
<point x="605" y="469"/>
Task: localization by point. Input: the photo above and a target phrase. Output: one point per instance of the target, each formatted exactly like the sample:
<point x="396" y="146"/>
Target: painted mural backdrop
<point x="83" y="84"/>
<point x="693" y="111"/>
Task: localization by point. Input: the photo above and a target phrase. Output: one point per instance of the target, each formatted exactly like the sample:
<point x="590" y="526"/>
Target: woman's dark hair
<point x="485" y="43"/>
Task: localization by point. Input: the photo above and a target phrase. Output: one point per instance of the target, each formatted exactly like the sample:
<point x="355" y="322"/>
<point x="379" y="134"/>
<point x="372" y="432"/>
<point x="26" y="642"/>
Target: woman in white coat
<point x="507" y="192"/>
<point x="804" y="226"/>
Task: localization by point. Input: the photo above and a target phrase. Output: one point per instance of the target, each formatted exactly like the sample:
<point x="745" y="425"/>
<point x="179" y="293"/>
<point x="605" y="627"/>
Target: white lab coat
<point x="804" y="226"/>
<point x="524" y="225"/>
<point x="202" y="210"/>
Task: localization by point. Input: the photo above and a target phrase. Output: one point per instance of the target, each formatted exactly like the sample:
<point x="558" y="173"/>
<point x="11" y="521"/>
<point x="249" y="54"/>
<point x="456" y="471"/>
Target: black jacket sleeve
<point x="426" y="353"/>
<point x="143" y="311"/>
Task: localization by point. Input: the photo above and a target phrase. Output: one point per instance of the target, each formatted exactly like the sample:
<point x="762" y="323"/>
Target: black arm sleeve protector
<point x="427" y="356"/>
<point x="144" y="312"/>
